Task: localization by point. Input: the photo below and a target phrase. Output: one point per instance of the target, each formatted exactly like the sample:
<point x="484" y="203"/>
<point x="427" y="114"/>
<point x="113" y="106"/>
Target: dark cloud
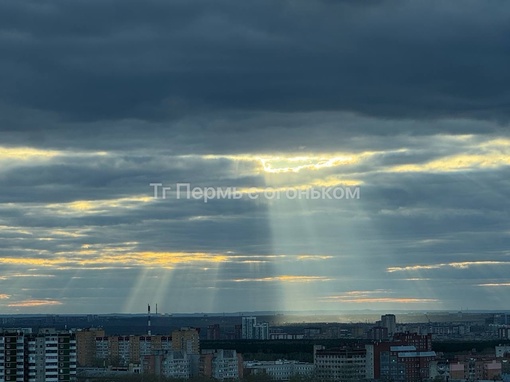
<point x="159" y="60"/>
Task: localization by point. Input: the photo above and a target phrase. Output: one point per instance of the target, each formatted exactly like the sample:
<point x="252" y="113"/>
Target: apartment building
<point x="221" y="364"/>
<point x="281" y="370"/>
<point x="123" y="350"/>
<point x="340" y="364"/>
<point x="48" y="356"/>
<point x="406" y="359"/>
<point x="86" y="345"/>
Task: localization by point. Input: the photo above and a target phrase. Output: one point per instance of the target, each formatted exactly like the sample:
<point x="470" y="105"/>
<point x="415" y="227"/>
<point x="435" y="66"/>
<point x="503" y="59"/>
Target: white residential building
<point x="176" y="364"/>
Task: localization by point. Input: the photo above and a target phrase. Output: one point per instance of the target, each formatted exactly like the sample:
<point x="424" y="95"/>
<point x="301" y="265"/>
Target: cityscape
<point x="254" y="190"/>
<point x="440" y="346"/>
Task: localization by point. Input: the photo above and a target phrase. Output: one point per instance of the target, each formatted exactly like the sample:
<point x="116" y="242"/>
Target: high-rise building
<point x="44" y="357"/>
<point x="213" y="332"/>
<point x="261" y="331"/>
<point x="86" y="345"/>
<point x="186" y="339"/>
<point x="247" y="327"/>
<point x="389" y="321"/>
<point x="238" y="332"/>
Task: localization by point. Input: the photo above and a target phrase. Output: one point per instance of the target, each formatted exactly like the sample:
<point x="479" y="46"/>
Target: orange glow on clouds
<point x="32" y="303"/>
<point x="363" y="296"/>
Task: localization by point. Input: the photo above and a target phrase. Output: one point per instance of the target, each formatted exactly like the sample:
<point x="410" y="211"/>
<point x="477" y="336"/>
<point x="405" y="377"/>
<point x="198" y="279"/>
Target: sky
<point x="356" y="153"/>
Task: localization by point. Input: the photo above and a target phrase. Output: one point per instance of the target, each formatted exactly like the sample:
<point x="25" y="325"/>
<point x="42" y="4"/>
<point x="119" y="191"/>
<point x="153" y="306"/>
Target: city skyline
<point x="356" y="155"/>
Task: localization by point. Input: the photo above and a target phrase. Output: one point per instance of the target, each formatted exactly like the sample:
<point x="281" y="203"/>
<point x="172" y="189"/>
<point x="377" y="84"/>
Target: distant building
<point x="500" y="319"/>
<point x="312" y="332"/>
<point x="378" y="333"/>
<point x="261" y="331"/>
<point x="504" y="333"/>
<point x="281" y="370"/>
<point x="213" y="332"/>
<point x="285" y="336"/>
<point x="248" y="324"/>
<point x="238" y="332"/>
<point x="358" y="332"/>
<point x="253" y="331"/>
<point x="389" y="321"/>
<point x="422" y="342"/>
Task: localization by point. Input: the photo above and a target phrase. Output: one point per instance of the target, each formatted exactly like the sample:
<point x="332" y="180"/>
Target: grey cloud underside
<point x="97" y="60"/>
<point x="395" y="210"/>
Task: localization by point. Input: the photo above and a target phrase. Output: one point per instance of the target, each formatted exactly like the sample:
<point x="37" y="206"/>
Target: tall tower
<point x="148" y="319"/>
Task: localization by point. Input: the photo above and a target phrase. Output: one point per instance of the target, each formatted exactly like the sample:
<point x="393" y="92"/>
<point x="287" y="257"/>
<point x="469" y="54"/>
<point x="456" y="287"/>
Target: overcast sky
<point x="405" y="102"/>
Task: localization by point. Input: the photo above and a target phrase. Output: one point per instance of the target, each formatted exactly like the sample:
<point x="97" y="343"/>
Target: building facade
<point x="221" y="364"/>
<point x="123" y="350"/>
<point x="86" y="346"/>
<point x="389" y="321"/>
<point x="404" y="360"/>
<point x="248" y="324"/>
<point x="340" y="364"/>
<point x="281" y="370"/>
<point x="45" y="357"/>
<point x="261" y="331"/>
<point x="186" y="339"/>
<point x="168" y="363"/>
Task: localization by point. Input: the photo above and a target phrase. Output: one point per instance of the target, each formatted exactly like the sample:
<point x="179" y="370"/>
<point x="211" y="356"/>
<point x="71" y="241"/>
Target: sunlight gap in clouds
<point x="98" y="206"/>
<point x="33" y="303"/>
<point x="145" y="259"/>
<point x="293" y="224"/>
<point x="26" y="153"/>
<point x="457" y="265"/>
<point x="371" y="300"/>
<point x="374" y="296"/>
<point x="285" y="279"/>
<point x="278" y="165"/>
<point x="281" y="172"/>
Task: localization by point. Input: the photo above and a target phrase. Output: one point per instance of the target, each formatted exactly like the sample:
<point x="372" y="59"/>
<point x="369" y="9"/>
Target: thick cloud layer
<point x="95" y="60"/>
